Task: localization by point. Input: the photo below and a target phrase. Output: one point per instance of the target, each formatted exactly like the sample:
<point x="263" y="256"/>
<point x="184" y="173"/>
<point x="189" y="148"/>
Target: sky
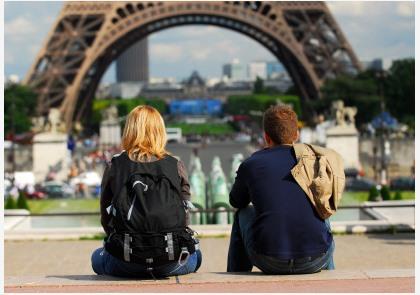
<point x="374" y="29"/>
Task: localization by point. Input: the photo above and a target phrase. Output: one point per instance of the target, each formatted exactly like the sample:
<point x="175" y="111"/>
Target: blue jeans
<point x="104" y="263"/>
<point x="242" y="257"/>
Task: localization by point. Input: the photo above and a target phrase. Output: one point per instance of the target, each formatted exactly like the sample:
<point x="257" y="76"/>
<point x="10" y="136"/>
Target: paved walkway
<point x="365" y="263"/>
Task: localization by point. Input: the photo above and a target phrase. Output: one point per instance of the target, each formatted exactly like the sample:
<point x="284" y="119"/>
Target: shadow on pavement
<point x="396" y="239"/>
<point x="103" y="278"/>
<point x="253" y="273"/>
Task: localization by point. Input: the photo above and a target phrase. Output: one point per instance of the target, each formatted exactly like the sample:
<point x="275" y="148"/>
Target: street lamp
<point x="381" y="75"/>
<point x="13" y="81"/>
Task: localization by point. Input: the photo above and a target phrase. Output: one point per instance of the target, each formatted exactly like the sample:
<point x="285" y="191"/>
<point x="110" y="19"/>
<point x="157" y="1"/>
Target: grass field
<point x="64" y="205"/>
<point x="92" y="205"/>
<point x="354" y="198"/>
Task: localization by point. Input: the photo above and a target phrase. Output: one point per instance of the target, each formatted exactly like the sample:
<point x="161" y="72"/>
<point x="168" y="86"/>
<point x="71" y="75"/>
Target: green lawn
<point x="355" y="198"/>
<point x="92" y="205"/>
<point x="64" y="205"/>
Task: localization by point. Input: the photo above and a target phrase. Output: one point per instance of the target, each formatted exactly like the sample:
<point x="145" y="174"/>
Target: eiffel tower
<point x="88" y="36"/>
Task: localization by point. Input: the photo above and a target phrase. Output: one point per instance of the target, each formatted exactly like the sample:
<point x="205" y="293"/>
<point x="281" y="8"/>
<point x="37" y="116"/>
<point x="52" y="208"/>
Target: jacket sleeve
<point x="185" y="189"/>
<point x="106" y="197"/>
<point x="185" y="184"/>
<point x="239" y="196"/>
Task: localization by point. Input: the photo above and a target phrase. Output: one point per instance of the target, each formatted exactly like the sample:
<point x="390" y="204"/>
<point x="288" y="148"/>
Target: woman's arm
<point x="106" y="197"/>
<point x="185" y="187"/>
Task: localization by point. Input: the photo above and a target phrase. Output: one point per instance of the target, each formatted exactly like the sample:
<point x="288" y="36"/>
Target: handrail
<point x="219" y="210"/>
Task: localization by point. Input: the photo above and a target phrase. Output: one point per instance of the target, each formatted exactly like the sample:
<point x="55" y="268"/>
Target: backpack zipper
<point x="135" y="196"/>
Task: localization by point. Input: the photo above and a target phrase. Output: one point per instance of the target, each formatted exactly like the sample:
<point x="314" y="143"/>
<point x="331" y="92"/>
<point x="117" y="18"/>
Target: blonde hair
<point x="144" y="134"/>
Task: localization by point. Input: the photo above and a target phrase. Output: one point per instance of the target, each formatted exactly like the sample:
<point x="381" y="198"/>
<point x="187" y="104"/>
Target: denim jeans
<point x="242" y="257"/>
<point x="104" y="263"/>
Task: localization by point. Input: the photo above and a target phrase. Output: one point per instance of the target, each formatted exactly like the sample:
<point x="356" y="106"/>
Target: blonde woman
<point x="144" y="197"/>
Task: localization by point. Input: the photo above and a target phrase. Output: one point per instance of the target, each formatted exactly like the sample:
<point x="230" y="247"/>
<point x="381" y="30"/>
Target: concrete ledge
<point x="338" y="227"/>
<point x="398" y="280"/>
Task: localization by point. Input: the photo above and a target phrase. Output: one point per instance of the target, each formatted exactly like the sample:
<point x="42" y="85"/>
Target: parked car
<point x="36" y="195"/>
<point x="351" y="172"/>
<point x="56" y="189"/>
<point x="359" y="184"/>
<point x="402" y="183"/>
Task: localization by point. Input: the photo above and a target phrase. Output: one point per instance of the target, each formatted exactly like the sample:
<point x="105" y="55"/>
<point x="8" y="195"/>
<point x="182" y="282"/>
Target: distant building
<point x="133" y="64"/>
<point x="274" y="69"/>
<point x="257" y="69"/>
<point x="375" y="65"/>
<point x="195" y="85"/>
<point x="125" y="90"/>
<point x="235" y="71"/>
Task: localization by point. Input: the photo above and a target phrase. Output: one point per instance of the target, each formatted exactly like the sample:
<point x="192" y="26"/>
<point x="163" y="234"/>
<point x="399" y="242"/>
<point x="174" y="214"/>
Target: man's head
<point x="280" y="125"/>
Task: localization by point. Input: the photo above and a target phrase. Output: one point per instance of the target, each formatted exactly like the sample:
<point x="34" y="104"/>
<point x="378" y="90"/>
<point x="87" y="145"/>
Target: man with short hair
<point x="281" y="233"/>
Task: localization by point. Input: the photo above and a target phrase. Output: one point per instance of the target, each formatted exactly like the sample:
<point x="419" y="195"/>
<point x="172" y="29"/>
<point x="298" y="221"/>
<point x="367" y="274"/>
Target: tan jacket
<point x="320" y="173"/>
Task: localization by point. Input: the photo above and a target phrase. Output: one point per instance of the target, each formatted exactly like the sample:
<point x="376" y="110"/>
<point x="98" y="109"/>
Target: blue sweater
<point x="286" y="226"/>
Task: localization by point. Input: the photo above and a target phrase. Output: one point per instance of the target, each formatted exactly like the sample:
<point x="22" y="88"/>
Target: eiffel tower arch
<point x="88" y="36"/>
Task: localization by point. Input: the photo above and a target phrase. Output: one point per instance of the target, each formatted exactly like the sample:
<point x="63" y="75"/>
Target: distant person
<point x="144" y="201"/>
<point x="71" y="144"/>
<point x="283" y="232"/>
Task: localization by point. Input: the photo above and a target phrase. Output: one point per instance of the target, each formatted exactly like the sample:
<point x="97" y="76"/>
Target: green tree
<point x="373" y="194"/>
<point x="360" y="91"/>
<point x="22" y="202"/>
<point x="24" y="101"/>
<point x="399" y="90"/>
<point x="259" y="86"/>
<point x="244" y="104"/>
<point x="385" y="193"/>
<point x="10" y="203"/>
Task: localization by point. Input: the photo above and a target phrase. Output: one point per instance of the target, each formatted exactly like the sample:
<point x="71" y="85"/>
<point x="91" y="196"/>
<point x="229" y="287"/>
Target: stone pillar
<point x="345" y="141"/>
<point x="110" y="129"/>
<point x="49" y="152"/>
<point x="110" y="134"/>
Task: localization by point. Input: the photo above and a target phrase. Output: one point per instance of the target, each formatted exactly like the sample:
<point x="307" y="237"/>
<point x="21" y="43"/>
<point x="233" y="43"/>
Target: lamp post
<point x="13" y="80"/>
<point x="381" y="75"/>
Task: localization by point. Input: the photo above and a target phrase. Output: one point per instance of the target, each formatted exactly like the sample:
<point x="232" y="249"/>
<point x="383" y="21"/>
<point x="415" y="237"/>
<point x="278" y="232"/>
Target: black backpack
<point x="148" y="215"/>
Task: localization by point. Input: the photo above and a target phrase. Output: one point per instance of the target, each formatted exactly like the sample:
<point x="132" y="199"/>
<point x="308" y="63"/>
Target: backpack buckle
<point x="183" y="257"/>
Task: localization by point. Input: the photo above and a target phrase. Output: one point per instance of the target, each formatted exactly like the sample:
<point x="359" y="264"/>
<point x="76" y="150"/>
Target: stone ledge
<point x="338" y="227"/>
<point x="201" y="278"/>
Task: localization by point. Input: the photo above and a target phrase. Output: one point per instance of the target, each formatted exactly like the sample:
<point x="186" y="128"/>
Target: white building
<point x="235" y="71"/>
<point x="257" y="69"/>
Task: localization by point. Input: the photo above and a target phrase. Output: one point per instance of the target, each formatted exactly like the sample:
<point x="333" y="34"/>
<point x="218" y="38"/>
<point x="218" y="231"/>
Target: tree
<point x="374" y="194"/>
<point x="10" y="203"/>
<point x="21" y="202"/>
<point x="24" y="101"/>
<point x="385" y="193"/>
<point x="399" y="90"/>
<point x="259" y="86"/>
<point x="360" y="91"/>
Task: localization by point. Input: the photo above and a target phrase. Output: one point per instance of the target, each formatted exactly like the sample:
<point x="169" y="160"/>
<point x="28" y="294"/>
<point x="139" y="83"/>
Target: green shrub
<point x="398" y="196"/>
<point x="385" y="193"/>
<point x="373" y="194"/>
<point x="244" y="104"/>
<point x="21" y="202"/>
<point x="10" y="203"/>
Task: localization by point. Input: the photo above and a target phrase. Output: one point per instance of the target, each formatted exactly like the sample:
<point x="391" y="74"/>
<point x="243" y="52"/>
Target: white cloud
<point x="19" y="28"/>
<point x="200" y="53"/>
<point x="348" y="8"/>
<point x="166" y="52"/>
<point x="405" y="9"/>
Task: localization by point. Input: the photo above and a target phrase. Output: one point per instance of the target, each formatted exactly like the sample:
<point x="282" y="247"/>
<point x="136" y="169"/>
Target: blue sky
<point x="374" y="29"/>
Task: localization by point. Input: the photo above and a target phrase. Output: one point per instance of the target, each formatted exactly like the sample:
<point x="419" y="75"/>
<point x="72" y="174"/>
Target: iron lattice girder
<point x="88" y="36"/>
